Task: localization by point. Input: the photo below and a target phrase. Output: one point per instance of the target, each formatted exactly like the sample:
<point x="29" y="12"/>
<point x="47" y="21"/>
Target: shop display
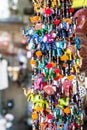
<point x="56" y="93"/>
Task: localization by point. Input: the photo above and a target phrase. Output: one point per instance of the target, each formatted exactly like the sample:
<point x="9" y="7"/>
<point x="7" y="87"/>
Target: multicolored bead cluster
<point x="55" y="93"/>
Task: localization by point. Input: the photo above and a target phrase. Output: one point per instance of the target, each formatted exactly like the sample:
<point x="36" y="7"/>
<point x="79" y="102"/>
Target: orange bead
<point x="65" y="65"/>
<point x="67" y="110"/>
<point x="39" y="109"/>
<point x="53" y="64"/>
<point x="33" y="62"/>
<point x="61" y="76"/>
<point x="64" y="58"/>
<point x="39" y="53"/>
<point x="35" y="19"/>
<point x="68" y="20"/>
<point x="34" y="116"/>
<point x="71" y="77"/>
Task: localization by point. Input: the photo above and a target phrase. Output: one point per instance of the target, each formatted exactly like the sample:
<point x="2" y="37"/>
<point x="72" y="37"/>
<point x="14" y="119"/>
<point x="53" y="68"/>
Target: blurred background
<point x="14" y="108"/>
<point x="16" y="71"/>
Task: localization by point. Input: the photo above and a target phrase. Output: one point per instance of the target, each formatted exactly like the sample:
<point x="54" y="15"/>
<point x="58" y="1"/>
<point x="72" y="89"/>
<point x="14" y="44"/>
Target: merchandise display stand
<point x="54" y="46"/>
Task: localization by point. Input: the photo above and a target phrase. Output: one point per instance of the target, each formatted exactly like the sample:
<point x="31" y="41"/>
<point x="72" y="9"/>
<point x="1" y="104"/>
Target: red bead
<point x="58" y="71"/>
<point x="43" y="74"/>
<point x="49" y="65"/>
<point x="45" y="83"/>
<point x="49" y="117"/>
<point x="48" y="11"/>
<point x="57" y="78"/>
<point x="57" y="22"/>
<point x="71" y="10"/>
